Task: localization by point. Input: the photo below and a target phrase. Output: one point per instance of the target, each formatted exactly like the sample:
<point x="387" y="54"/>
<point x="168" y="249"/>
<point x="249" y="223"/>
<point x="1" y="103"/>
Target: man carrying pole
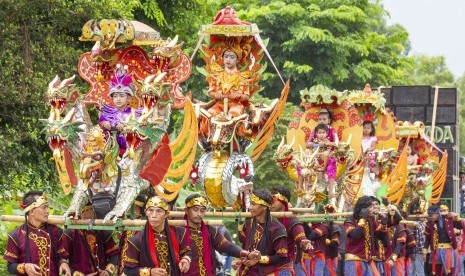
<point x="33" y="248"/>
<point x="204" y="240"/>
<point x="155" y="250"/>
<point x="294" y="228"/>
<point x="361" y="229"/>
<point x="441" y="239"/>
<point x="89" y="252"/>
<point x="265" y="234"/>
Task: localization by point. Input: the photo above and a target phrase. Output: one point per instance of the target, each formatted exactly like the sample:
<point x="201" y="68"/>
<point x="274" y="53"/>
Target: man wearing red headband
<point x="294" y="228"/>
<point x="265" y="234"/>
<point x="33" y="248"/>
<point x="204" y="240"/>
<point x="155" y="251"/>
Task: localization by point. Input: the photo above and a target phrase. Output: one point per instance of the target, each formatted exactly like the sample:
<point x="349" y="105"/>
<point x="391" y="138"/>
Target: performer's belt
<point x="444" y="245"/>
<point x="352" y="257"/>
<point x="376" y="259"/>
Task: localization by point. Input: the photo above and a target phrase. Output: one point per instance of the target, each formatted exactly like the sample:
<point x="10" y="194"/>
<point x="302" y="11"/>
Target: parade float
<point x="233" y="130"/>
<point x="110" y="166"/>
<point x="404" y="167"/>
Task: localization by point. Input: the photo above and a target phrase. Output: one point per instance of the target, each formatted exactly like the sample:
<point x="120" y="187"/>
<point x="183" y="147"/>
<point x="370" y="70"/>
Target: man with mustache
<point x="156" y="251"/>
<point x="265" y="234"/>
<point x="204" y="240"/>
<point x="33" y="248"/>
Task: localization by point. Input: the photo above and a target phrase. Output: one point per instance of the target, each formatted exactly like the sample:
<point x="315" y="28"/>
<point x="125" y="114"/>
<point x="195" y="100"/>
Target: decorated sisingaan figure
<point x="230" y="87"/>
<point x="229" y="82"/>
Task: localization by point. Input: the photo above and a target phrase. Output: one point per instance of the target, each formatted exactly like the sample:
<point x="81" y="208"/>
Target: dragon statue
<point x="89" y="157"/>
<point x="306" y="168"/>
<point x="233" y="131"/>
<point x="65" y="128"/>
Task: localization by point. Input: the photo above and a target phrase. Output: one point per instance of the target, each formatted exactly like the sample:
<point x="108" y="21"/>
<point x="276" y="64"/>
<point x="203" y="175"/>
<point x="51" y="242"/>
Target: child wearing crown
<point x="121" y="91"/>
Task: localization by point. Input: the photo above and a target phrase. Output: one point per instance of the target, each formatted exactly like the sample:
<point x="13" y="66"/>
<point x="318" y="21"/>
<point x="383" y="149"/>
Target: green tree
<point x="428" y="70"/>
<point x="267" y="172"/>
<point x="39" y="39"/>
<point x="340" y="44"/>
<point x="460" y="84"/>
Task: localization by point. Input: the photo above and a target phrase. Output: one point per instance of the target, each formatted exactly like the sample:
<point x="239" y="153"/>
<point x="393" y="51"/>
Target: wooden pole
<point x="418" y="216"/>
<point x="344" y="214"/>
<point x="125" y="222"/>
<point x="179" y="214"/>
<point x="409" y="223"/>
<point x="435" y="107"/>
<point x="230" y="209"/>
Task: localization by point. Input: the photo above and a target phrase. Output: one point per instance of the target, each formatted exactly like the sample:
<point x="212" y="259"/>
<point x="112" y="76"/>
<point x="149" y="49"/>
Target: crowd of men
<point x="372" y="241"/>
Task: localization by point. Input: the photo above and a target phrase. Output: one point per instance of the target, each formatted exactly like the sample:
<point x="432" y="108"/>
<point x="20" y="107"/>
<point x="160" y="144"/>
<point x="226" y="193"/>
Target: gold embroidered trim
<point x="41" y="243"/>
<point x="199" y="243"/>
<point x="366" y="226"/>
<point x="127" y="259"/>
<point x="8" y="253"/>
<point x="298" y="236"/>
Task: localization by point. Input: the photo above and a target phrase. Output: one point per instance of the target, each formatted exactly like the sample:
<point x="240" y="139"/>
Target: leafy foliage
<point x="429" y="70"/>
<point x="267" y="172"/>
<point x="340" y="44"/>
<point x="38" y="39"/>
<point x="460" y="84"/>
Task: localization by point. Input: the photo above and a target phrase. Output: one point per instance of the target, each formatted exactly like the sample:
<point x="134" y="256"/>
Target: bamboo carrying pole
<point x="124" y="222"/>
<point x="179" y="214"/>
<point x="409" y="223"/>
<point x="230" y="209"/>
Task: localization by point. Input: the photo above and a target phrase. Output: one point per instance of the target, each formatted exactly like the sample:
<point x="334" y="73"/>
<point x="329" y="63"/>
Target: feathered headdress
<point x="122" y="81"/>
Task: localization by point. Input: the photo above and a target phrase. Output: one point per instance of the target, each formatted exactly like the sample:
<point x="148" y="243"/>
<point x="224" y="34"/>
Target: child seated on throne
<point x="112" y="117"/>
<point x="324" y="145"/>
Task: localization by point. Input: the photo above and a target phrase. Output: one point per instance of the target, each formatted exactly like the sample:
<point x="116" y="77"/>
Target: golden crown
<point x="157" y="202"/>
<point x="39" y="202"/>
<point x="279" y="196"/>
<point x="255" y="199"/>
<point x="200" y="201"/>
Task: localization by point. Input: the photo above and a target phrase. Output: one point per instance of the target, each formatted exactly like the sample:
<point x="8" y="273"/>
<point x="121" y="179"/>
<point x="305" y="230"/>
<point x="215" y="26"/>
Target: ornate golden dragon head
<point x="283" y="154"/>
<point x="98" y="163"/>
<point x="148" y="126"/>
<point x="166" y="53"/>
<point x="61" y="95"/>
<point x="342" y="150"/>
<point x="106" y="33"/>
